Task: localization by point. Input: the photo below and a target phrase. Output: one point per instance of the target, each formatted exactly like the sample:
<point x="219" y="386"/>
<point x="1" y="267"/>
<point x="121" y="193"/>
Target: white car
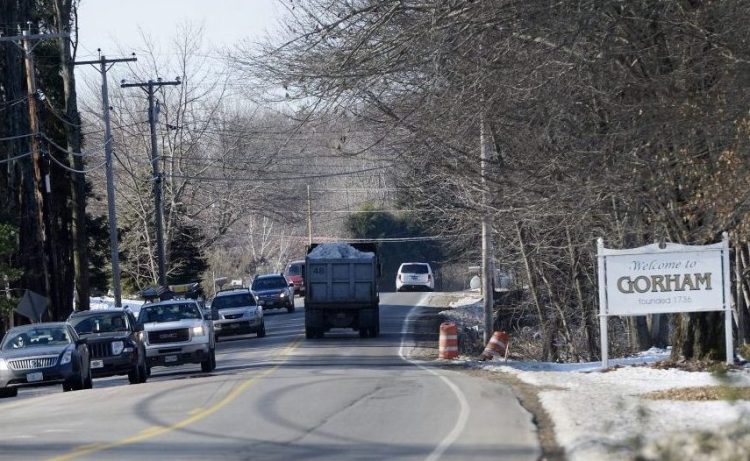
<point x="177" y="332"/>
<point x="415" y="276"/>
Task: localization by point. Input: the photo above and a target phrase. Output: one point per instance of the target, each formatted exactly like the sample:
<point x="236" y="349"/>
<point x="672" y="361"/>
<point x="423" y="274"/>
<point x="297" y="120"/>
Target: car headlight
<point x="199" y="330"/>
<point x="117" y="347"/>
<point x="282" y="295"/>
<point x="67" y="355"/>
<point x="3" y="364"/>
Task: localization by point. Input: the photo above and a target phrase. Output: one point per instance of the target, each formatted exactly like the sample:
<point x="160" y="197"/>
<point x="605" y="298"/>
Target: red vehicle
<point x="295" y="273"/>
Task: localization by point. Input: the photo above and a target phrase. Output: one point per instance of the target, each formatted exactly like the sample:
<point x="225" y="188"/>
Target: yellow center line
<point x="196" y="415"/>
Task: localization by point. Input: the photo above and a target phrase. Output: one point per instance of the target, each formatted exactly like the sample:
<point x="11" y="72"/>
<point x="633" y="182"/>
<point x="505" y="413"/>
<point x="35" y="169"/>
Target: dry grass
<point x="703" y="393"/>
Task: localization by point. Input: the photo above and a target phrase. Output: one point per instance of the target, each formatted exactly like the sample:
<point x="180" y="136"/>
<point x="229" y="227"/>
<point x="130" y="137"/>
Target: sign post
<point x="656" y="279"/>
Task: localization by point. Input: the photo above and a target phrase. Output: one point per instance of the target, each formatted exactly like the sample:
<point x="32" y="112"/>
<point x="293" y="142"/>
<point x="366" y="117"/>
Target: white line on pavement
<point x="463" y="415"/>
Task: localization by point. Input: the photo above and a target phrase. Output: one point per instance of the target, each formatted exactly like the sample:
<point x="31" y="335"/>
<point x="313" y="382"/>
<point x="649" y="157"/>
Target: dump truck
<point x="341" y="289"/>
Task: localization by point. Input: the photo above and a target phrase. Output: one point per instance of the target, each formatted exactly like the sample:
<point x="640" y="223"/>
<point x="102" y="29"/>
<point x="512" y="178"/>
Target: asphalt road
<point x="281" y="398"/>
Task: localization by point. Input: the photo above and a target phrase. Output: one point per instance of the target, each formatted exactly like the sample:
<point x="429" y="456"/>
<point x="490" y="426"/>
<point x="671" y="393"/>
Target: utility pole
<point x="487" y="269"/>
<point x="309" y="216"/>
<point x="104" y="65"/>
<point x="149" y="87"/>
<point x="41" y="177"/>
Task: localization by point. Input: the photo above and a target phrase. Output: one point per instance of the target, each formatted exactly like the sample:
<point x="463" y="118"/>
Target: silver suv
<point x="176" y="332"/>
<point x="236" y="312"/>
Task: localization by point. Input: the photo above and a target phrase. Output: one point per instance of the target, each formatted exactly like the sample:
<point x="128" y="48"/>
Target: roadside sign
<point x="656" y="279"/>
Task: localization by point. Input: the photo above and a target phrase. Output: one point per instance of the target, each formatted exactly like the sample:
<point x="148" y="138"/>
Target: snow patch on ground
<point x="338" y="250"/>
<point x="106" y="302"/>
<point x="601" y="416"/>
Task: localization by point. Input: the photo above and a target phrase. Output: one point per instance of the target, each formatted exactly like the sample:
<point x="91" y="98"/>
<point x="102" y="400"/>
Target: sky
<point x="116" y="26"/>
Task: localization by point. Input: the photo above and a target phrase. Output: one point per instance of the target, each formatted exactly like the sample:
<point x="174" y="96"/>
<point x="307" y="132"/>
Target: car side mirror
<point x="138" y="327"/>
<point x="81" y="341"/>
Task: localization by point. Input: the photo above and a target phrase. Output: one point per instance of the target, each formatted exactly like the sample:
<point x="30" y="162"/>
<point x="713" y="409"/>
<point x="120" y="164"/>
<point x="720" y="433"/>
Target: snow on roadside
<point x="106" y="302"/>
<point x="603" y="416"/>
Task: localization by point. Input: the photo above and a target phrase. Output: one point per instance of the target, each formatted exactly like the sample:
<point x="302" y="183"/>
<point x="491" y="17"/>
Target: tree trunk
<point x="547" y="344"/>
<point x="698" y="336"/>
<point x="586" y="313"/>
<point x="63" y="10"/>
<point x="739" y="305"/>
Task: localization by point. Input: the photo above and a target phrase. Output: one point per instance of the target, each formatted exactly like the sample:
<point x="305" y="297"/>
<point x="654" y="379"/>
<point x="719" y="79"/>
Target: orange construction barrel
<point x="498" y="346"/>
<point x="448" y="345"/>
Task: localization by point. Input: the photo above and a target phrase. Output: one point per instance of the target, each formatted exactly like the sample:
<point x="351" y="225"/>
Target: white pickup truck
<point x="177" y="332"/>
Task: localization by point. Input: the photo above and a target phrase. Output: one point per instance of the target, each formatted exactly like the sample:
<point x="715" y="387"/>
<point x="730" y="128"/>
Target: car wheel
<point x="262" y="329"/>
<point x="210" y="362"/>
<point x="8" y="392"/>
<point x="134" y="375"/>
<point x="88" y="383"/>
<point x="76" y="383"/>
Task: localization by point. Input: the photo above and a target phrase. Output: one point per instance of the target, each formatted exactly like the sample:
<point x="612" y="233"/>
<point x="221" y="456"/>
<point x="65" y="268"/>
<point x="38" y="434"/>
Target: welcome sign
<point x="653" y="280"/>
<point x="656" y="279"/>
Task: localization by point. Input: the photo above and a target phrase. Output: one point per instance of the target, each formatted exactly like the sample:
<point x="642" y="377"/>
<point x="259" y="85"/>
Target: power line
<point x="15" y="102"/>
<point x="20" y="136"/>
<point x="63" y="149"/>
<point x="73" y="170"/>
<point x="8" y="160"/>
<point x="286" y="178"/>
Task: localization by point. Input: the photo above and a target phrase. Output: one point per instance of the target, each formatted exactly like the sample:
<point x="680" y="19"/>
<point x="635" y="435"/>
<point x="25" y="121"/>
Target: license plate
<point x="234" y="325"/>
<point x="170" y="358"/>
<point x="34" y="377"/>
<point x="97" y="364"/>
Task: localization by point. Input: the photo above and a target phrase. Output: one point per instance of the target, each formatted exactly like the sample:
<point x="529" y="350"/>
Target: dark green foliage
<point x="99" y="254"/>
<point x="374" y="224"/>
<point x="186" y="261"/>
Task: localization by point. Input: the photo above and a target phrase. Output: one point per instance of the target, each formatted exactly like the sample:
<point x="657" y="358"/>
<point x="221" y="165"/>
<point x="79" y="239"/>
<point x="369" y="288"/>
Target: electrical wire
<point x="20" y="136"/>
<point x="60" y="117"/>
<point x="15" y="102"/>
<point x="288" y="178"/>
<point x="8" y="160"/>
<point x="73" y="170"/>
<point x="78" y="154"/>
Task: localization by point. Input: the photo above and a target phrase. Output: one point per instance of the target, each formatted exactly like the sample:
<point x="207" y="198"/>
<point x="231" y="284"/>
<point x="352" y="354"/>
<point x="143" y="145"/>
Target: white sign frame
<point x="672" y="278"/>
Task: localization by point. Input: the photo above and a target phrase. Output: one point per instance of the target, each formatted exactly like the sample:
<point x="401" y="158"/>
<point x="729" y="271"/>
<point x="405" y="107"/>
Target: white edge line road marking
<point x="463" y="415"/>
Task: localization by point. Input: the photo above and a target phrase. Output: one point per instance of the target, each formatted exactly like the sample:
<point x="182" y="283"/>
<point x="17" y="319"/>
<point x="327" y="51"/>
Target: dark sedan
<point x="273" y="291"/>
<point x="114" y="341"/>
<point x="43" y="353"/>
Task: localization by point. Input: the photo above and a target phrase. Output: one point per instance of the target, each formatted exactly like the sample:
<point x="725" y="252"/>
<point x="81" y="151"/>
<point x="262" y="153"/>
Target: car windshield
<point x="269" y="283"/>
<point x="414" y="269"/>
<point x="168" y="313"/>
<point x="233" y="300"/>
<point x="102" y="323"/>
<point x="34" y="337"/>
<point x="295" y="269"/>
